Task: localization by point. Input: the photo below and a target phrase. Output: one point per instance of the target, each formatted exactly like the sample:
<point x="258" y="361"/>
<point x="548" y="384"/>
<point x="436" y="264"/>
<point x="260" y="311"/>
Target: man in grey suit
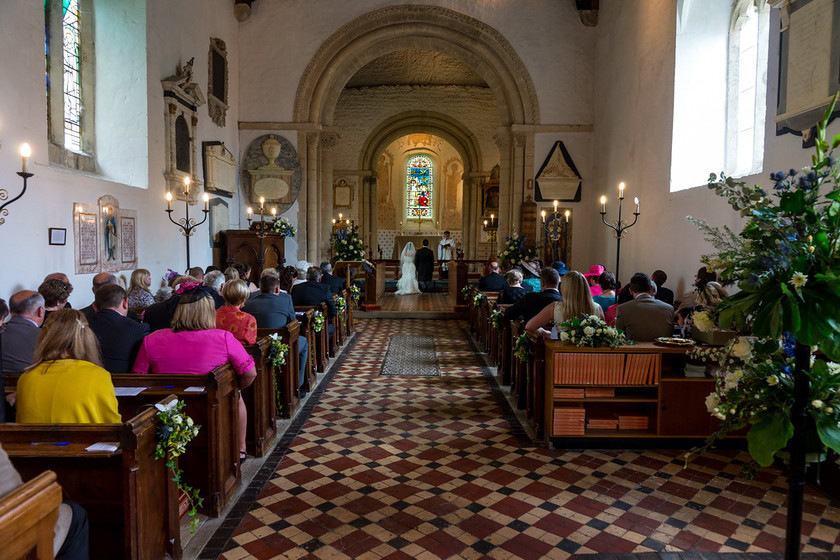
<point x="644" y="318"/>
<point x="273" y="309"/>
<point x="21" y="334"/>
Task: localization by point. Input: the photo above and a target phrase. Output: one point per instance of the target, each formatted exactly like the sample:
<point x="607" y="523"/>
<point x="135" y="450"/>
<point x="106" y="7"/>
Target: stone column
<point x="504" y="142"/>
<point x="325" y="197"/>
<point x="372" y="211"/>
<point x="466" y="214"/>
<point x="312" y="223"/>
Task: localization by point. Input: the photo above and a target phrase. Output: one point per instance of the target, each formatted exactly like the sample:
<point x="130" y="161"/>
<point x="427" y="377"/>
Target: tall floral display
<point x="786" y="262"/>
<point x="346" y="243"/>
<point x="516" y="250"/>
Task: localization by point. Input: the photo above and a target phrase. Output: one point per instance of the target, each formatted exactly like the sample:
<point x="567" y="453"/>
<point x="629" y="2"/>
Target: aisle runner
<point x="411" y="354"/>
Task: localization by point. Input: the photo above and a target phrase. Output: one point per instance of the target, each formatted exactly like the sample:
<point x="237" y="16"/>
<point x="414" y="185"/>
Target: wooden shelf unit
<point x="646" y="381"/>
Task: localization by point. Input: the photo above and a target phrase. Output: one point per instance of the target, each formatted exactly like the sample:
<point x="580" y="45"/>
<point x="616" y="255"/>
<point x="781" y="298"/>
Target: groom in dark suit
<point x="424" y="260"/>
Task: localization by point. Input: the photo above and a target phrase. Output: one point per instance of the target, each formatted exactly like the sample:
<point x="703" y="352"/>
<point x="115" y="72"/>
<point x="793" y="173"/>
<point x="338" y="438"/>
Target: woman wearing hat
<point x="195" y="346"/>
<point x="595" y="272"/>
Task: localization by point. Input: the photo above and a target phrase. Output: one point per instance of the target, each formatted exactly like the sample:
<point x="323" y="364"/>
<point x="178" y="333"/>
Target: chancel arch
<point x="379" y="33"/>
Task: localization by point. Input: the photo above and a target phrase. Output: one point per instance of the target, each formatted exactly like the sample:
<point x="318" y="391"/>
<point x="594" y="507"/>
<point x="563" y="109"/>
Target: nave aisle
<point x="428" y="468"/>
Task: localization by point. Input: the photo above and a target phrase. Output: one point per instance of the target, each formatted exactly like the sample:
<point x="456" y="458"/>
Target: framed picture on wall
<point x="58" y="236"/>
<point x="342" y="193"/>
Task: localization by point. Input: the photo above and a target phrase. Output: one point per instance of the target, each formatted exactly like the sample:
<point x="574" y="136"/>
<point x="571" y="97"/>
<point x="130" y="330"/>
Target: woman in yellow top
<point x="66" y="383"/>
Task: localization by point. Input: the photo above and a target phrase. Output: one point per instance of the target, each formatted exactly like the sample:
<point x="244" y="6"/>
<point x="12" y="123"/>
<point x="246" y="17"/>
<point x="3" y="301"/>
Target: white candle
<point x="555" y="206"/>
<point x="25" y="152"/>
<point x="568" y="213"/>
<point x="250" y="211"/>
<point x="621" y="190"/>
<point x="543" y="215"/>
<point x="274" y="211"/>
<point x="169" y="201"/>
<point x="186" y="185"/>
<point x="603" y="205"/>
<point x="637" y="204"/>
<point x="206" y="201"/>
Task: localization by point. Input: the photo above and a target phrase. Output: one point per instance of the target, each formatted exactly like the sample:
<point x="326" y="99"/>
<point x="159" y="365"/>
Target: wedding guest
<point x="701" y="279"/>
<point x="66" y="383"/>
<point x="20" y="335"/>
<point x="163" y="294"/>
<point x="55" y="292"/>
<point x="335" y="283"/>
<point x="58" y="276"/>
<point x="99" y="280"/>
<point x="534" y="302"/>
<point x="301" y="267"/>
<point x="215" y="280"/>
<point x="645" y="318"/>
<point x="705" y="297"/>
<point x="119" y="337"/>
<point x="196" y="272"/>
<point x="139" y="295"/>
<point x="662" y="293"/>
<point x="607" y="296"/>
<point x="595" y="272"/>
<point x="230" y="316"/>
<point x="493" y="281"/>
<point x="231" y="274"/>
<point x="159" y="316"/>
<point x="577" y="302"/>
<point x="512" y="291"/>
<point x="195" y="346"/>
<point x="244" y="270"/>
<point x="287" y="276"/>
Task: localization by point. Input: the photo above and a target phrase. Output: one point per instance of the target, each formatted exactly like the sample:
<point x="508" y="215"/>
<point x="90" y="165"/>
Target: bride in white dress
<point x="407" y="284"/>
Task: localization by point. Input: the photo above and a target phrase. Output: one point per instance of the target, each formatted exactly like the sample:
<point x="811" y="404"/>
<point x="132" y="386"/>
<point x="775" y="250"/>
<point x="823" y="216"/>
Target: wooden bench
<point x="129" y="497"/>
<point x="260" y="402"/>
<point x="286" y="377"/>
<point x="27" y="518"/>
<point x="321" y="347"/>
<point x="211" y="463"/>
<point x="306" y="331"/>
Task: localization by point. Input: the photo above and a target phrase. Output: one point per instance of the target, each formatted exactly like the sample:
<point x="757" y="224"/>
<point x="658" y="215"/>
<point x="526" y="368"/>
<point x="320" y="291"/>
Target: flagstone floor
<point x="430" y="468"/>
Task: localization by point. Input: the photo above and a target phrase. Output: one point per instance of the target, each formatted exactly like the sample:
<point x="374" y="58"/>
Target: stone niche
<point x="271" y="169"/>
<point x="183" y="97"/>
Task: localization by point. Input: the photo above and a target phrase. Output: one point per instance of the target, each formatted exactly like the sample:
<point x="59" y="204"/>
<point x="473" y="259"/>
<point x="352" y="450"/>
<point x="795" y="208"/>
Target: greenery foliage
<point x="522" y="348"/>
<point x="317" y="321"/>
<point x="175" y="431"/>
<point x="278" y="350"/>
<point x="590" y="331"/>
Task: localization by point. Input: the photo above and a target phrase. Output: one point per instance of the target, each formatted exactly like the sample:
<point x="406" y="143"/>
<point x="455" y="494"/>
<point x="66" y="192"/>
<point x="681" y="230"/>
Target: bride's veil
<point x="408" y="250"/>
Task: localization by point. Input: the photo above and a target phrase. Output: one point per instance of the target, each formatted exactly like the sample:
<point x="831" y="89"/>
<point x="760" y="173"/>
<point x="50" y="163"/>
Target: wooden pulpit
<point x="243" y="245"/>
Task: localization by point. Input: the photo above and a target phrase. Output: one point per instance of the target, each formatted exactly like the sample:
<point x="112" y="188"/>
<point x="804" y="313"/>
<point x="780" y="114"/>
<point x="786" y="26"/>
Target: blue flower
<point x="792" y="172"/>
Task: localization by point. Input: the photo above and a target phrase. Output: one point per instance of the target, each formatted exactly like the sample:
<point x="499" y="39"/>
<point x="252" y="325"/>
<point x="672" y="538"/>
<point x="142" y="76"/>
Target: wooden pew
<point x="286" y="377"/>
<point x="129" y="497"/>
<point x="518" y="369"/>
<point x="505" y="353"/>
<point x="351" y="303"/>
<point x="260" y="402"/>
<point x="535" y="388"/>
<point x="211" y="463"/>
<point x="27" y="518"/>
<point x="495" y="336"/>
<point x="483" y="318"/>
<point x="305" y="320"/>
<point x="321" y="347"/>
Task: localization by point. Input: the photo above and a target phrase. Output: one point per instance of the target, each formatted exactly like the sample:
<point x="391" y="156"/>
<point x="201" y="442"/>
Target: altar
<point x="401" y="240"/>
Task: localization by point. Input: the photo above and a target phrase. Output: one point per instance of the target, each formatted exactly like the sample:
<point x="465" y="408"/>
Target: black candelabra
<point x="556" y="227"/>
<point x="262" y="229"/>
<point x="187" y="224"/>
<point x="25" y="152"/>
<point x="491" y="226"/>
<point x="619" y="226"/>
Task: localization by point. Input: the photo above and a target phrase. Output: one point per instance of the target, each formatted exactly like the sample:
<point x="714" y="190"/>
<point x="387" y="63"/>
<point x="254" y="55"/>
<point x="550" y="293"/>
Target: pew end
<point x="27" y="518"/>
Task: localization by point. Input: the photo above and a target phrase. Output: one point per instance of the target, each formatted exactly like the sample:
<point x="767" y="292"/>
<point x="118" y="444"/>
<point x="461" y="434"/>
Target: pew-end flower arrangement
<point x="284" y="227"/>
<point x="785" y="263"/>
<point x="175" y="431"/>
<point x="278" y="350"/>
<point x="317" y="322"/>
<point x="590" y="331"/>
<point x="522" y="348"/>
<point x="496" y="319"/>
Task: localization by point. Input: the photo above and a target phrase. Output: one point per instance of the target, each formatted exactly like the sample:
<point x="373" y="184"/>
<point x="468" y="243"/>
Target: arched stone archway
<point x="394" y="28"/>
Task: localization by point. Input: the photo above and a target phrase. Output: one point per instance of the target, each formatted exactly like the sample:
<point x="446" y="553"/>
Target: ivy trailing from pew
<point x="175" y="431"/>
<point x="355" y="293"/>
<point x="277" y="352"/>
<point x="340" y="306"/>
<point x="522" y="348"/>
<point x="318" y="322"/>
<point x="496" y="318"/>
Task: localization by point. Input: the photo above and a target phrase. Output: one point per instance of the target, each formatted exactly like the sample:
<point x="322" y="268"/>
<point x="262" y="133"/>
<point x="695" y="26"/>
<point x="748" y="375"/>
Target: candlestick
<point x="250" y="211"/>
<point x="25" y="152"/>
<point x="206" y="201"/>
<point x="621" y="191"/>
<point x="186" y="224"/>
<point x="603" y="205"/>
<point x="186" y="185"/>
<point x="168" y="201"/>
<point x="637" y="205"/>
<point x="619" y="226"/>
<point x="262" y="203"/>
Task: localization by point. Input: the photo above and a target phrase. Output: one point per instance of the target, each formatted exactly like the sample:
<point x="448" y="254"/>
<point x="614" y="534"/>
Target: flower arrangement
<point x="590" y="331"/>
<point x="522" y="348"/>
<point x="785" y="262"/>
<point x="347" y="245"/>
<point x="317" y="322"/>
<point x="284" y="227"/>
<point x="477" y="299"/>
<point x="278" y="350"/>
<point x="175" y="431"/>
<point x="496" y="318"/>
<point x="355" y="292"/>
<point x="516" y="251"/>
<point x="340" y="304"/>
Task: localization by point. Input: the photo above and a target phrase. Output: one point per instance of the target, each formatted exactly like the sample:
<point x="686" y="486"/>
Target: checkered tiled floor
<point x="427" y="468"/>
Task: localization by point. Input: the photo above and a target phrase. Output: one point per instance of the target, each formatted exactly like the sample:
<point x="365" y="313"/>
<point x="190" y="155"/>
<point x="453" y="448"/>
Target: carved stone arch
<point x="393" y="28"/>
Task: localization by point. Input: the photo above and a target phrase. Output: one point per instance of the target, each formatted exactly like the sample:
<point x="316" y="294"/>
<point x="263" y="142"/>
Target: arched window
<point x="419" y="188"/>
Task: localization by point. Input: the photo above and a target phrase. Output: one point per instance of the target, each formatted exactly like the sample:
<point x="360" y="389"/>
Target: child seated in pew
<point x="66" y="383"/>
<point x="193" y="345"/>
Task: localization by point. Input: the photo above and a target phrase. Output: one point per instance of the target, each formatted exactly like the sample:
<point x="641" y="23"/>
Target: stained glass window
<point x="419" y="185"/>
<point x="72" y="81"/>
